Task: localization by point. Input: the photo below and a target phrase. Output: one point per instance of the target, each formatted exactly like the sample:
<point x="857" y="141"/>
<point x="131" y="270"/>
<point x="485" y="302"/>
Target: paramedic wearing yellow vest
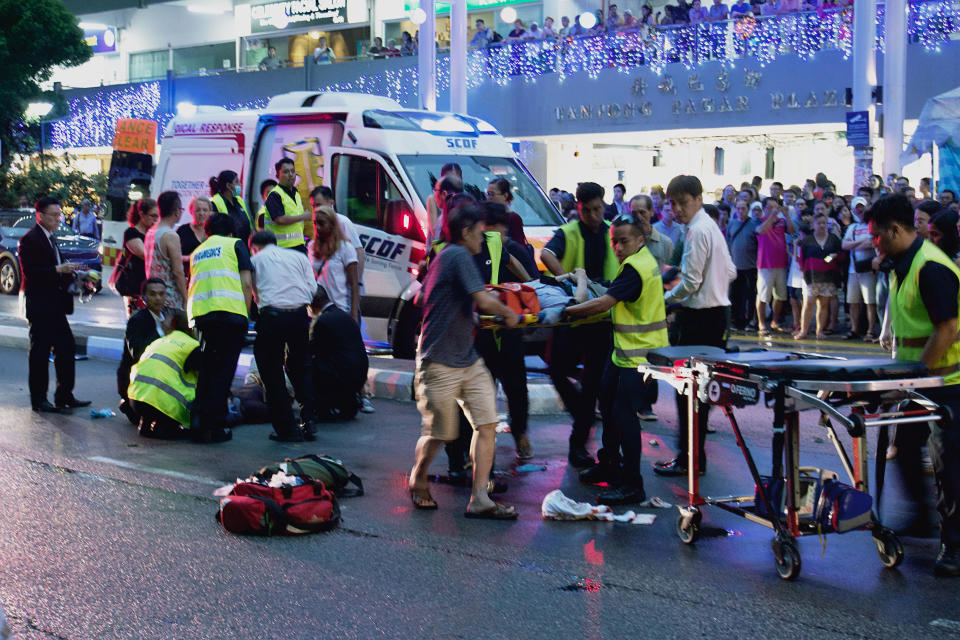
<point x="259" y="223"/>
<point x="639" y="324"/>
<point x="581" y="244"/>
<point x="217" y="302"/>
<point x="285" y="210"/>
<point x="225" y="198"/>
<point x="923" y="308"/>
<point x="163" y="382"/>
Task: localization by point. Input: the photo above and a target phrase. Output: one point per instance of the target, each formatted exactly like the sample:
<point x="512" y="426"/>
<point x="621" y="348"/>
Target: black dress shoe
<point x="210" y="437"/>
<point x="624" y="494"/>
<point x="45" y="407"/>
<point x="580" y="458"/>
<point x="72" y="403"/>
<point x="675" y="468"/>
<point x="597" y="474"/>
<point x="948" y="562"/>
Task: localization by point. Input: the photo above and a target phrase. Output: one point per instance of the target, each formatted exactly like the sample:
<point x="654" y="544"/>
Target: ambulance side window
<point x="363" y="189"/>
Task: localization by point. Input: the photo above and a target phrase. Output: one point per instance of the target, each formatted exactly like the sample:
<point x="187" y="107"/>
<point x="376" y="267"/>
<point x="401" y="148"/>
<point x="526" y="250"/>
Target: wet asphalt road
<point x="107" y="535"/>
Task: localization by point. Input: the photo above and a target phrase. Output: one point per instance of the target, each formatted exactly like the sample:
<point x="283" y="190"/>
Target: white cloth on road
<point x="557" y="506"/>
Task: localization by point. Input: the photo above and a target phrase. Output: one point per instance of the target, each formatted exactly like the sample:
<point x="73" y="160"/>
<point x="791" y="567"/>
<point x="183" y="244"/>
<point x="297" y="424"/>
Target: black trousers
<point x="336" y="393"/>
<point x="743" y="297"/>
<point x="590" y="345"/>
<point x="698" y="327"/>
<point x="46" y="333"/>
<point x="506" y="364"/>
<point x="944" y="445"/>
<point x="282" y="344"/>
<point x="154" y="423"/>
<point x="220" y="343"/>
<point x="622" y="395"/>
<point x="909" y="441"/>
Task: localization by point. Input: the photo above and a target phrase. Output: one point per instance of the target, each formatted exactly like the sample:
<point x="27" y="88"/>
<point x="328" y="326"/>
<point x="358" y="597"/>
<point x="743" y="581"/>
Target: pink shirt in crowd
<point x="772" y="247"/>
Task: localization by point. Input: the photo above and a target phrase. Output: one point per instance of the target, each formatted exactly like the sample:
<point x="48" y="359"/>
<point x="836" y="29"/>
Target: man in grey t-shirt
<point x="450" y="374"/>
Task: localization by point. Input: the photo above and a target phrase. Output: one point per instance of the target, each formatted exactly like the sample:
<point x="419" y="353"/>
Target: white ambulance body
<point x="380" y="159"/>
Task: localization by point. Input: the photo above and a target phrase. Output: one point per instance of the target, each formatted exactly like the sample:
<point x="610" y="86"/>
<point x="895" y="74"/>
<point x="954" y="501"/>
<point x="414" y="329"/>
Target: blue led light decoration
<point x="763" y="39"/>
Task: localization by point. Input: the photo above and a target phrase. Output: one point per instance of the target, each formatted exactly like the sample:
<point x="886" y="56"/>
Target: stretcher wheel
<point x="787" y="559"/>
<point x="889" y="548"/>
<point x="688" y="527"/>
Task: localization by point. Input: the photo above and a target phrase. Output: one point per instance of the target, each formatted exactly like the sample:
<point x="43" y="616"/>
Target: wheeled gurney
<point x="790" y="383"/>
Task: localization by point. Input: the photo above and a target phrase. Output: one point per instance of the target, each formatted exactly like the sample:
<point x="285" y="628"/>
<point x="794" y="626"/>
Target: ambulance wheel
<point x="889" y="548"/>
<point x="788" y="559"/>
<point x="406" y="328"/>
<point x="688" y="527"/>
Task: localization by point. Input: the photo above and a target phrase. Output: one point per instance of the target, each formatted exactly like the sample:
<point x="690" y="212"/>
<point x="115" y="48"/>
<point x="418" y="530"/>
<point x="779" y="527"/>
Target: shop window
<point x="208" y="57"/>
<point x="148" y="65"/>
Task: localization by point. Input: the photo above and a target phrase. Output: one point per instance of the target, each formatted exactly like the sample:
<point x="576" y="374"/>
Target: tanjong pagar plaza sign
<point x="294" y="14"/>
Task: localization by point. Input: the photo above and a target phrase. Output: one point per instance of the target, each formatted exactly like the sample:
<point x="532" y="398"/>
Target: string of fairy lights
<point x="929" y="24"/>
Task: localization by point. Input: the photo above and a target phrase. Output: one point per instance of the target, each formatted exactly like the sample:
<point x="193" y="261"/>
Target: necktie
<point x="56" y="253"/>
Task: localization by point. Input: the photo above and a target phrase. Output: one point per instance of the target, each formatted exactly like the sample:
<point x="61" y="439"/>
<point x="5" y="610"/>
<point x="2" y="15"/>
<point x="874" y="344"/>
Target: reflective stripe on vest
<point x="221" y="205"/>
<point x="573" y="250"/>
<point x="159" y="380"/>
<point x="640" y="325"/>
<point x="215" y="283"/>
<point x="261" y="217"/>
<point x="910" y="320"/>
<point x="288" y="235"/>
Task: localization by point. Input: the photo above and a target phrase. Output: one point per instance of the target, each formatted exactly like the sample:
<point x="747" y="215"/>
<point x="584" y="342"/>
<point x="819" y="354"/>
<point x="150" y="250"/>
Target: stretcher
<point x="532" y="321"/>
<point x="855" y="394"/>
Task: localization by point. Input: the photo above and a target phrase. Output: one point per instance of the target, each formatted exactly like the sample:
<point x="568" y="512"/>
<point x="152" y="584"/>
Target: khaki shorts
<point x="443" y="390"/>
<point x="771" y="285"/>
<point x="862" y="287"/>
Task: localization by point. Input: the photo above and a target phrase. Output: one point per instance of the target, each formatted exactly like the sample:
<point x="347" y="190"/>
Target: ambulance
<point x="380" y="159"/>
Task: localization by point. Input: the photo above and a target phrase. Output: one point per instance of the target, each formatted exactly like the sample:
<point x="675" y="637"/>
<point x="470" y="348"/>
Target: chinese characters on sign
<point x="697" y="83"/>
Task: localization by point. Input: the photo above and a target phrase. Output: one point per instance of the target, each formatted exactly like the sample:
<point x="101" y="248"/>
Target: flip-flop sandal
<point x="422" y="499"/>
<point x="763" y="332"/>
<point x="498" y="512"/>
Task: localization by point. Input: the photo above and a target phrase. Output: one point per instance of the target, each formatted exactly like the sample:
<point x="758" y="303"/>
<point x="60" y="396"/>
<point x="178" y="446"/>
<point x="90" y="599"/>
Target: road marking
<point x="951" y="625"/>
<point x="164" y="472"/>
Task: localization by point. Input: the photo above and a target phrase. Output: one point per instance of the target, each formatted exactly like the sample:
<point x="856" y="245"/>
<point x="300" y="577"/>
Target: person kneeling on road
<point x="639" y="324"/>
<point x="163" y="383"/>
<point x="449" y="372"/>
<point x="339" y="360"/>
<point x="143" y="327"/>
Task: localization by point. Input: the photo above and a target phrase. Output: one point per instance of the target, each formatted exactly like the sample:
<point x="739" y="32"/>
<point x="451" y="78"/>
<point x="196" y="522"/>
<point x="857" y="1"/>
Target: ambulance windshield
<point x="528" y="200"/>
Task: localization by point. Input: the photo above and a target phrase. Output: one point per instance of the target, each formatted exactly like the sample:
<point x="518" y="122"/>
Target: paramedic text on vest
<point x="585" y="244"/>
<point x="639" y="324"/>
<point x="217" y="302"/>
<point x="923" y="310"/>
<point x="285" y="212"/>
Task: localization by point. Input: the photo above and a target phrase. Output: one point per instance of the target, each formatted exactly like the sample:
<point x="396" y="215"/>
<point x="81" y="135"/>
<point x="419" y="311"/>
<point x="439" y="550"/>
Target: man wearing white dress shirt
<point x="706" y="273"/>
<point x="284" y="286"/>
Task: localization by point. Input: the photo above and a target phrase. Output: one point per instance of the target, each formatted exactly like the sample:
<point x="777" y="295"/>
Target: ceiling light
<point x="508" y="14"/>
<point x="418" y="16"/>
<point x="208" y="7"/>
<point x="92" y="26"/>
<point x="588" y="20"/>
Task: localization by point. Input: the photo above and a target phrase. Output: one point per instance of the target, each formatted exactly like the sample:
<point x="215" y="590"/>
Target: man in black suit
<point x="143" y="327"/>
<point x="339" y="357"/>
<point x="45" y="284"/>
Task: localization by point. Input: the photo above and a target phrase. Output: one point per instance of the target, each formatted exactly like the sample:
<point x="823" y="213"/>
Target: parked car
<point x="14" y="224"/>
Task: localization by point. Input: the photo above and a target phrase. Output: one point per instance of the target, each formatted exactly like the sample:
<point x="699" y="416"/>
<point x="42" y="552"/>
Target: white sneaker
<point x="366" y="406"/>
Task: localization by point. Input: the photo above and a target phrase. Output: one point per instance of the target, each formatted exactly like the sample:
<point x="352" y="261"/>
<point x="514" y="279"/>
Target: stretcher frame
<point x="697" y="380"/>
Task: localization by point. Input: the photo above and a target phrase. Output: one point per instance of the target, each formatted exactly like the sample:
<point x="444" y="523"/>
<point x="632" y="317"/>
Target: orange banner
<point x="137" y="136"/>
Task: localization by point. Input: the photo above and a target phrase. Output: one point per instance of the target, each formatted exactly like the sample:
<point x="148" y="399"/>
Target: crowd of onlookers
<point x="801" y="252"/>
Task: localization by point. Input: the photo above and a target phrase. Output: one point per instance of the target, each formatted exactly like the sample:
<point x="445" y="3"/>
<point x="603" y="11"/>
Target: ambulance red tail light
<point x="400" y="220"/>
